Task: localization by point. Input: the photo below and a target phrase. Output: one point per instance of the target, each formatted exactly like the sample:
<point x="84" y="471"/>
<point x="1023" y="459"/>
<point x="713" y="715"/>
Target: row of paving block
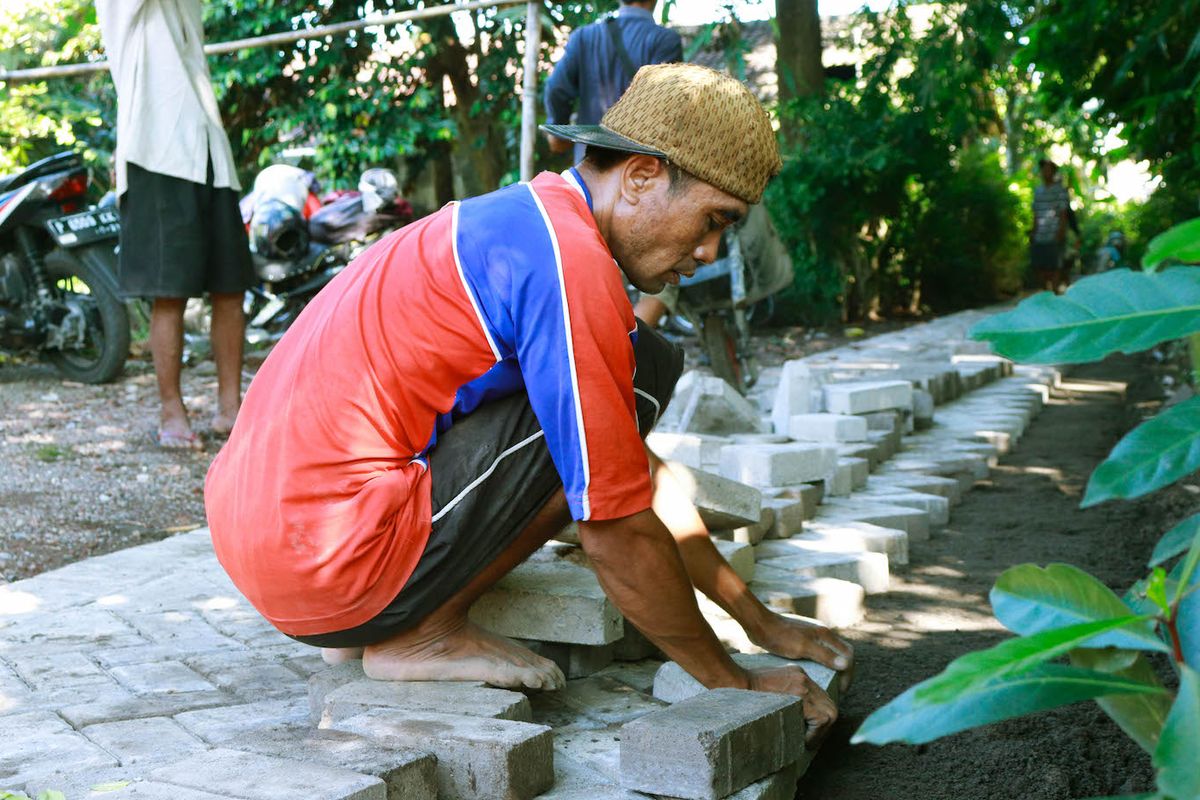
<point x="206" y="700"/>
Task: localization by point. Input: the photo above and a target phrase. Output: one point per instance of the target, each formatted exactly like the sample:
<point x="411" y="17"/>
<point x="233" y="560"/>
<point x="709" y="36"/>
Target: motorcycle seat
<point x="59" y="162"/>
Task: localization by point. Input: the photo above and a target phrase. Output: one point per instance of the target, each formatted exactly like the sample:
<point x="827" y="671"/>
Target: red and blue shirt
<point x="319" y="503"/>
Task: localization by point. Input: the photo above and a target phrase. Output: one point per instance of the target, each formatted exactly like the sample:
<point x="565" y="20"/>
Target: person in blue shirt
<point x="599" y="63"/>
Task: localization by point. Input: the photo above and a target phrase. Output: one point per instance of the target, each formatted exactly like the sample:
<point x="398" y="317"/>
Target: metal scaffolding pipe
<point x="69" y="70"/>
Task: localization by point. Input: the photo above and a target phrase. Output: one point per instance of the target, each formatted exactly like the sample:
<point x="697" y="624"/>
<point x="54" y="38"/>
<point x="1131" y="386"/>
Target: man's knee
<point x="659" y="365"/>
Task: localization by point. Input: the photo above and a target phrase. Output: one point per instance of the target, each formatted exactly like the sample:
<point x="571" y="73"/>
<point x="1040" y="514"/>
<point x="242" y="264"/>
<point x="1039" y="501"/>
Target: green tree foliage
<point x="892" y="196"/>
<point x="39" y="119"/>
<point x="426" y="92"/>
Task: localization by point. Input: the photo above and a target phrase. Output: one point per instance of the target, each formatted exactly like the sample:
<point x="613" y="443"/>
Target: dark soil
<point x="937" y="610"/>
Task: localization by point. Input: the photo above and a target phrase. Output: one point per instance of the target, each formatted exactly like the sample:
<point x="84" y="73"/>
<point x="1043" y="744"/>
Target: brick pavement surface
<point x="146" y="672"/>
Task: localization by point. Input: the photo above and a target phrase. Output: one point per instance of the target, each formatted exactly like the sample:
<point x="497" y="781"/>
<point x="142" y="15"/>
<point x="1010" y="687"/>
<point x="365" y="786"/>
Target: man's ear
<point x="639" y="175"/>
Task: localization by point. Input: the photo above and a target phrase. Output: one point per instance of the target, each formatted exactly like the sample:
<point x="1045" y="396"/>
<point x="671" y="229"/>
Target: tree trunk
<point x="798" y="52"/>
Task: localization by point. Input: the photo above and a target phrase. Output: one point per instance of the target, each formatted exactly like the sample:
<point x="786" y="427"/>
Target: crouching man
<point x="476" y="380"/>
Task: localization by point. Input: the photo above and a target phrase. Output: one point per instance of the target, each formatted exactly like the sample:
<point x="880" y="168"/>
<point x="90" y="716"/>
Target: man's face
<point x="1048" y="170"/>
<point x="662" y="234"/>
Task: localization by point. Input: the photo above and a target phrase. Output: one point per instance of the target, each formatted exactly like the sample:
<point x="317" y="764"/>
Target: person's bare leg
<point x="228" y="342"/>
<point x="166" y="347"/>
<point x="446" y="646"/>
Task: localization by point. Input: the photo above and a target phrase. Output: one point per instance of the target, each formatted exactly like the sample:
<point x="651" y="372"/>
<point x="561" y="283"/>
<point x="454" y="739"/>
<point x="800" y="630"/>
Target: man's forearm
<point x="639" y="567"/>
<point x="708" y="570"/>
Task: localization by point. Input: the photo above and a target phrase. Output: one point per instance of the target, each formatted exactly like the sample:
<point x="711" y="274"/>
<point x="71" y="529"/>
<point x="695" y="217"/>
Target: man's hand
<point x="819" y="711"/>
<point x="795" y="639"/>
<point x="558" y="145"/>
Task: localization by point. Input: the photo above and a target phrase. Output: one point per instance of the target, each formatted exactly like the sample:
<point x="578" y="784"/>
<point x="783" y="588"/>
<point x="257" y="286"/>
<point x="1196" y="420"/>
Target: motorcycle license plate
<point x="85" y="227"/>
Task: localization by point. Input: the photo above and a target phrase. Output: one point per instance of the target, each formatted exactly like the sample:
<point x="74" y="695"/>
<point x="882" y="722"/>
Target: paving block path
<point x="145" y="670"/>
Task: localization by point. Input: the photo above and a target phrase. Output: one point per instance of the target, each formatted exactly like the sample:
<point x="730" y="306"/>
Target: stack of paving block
<point x="146" y="667"/>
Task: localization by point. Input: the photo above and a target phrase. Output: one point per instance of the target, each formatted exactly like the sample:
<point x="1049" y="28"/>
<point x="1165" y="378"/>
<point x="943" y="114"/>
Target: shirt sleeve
<point x="572" y="324"/>
<point x="668" y="49"/>
<point x="562" y="88"/>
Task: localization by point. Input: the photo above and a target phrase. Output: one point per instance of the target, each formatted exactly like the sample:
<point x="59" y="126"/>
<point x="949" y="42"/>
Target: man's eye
<point x="715" y="224"/>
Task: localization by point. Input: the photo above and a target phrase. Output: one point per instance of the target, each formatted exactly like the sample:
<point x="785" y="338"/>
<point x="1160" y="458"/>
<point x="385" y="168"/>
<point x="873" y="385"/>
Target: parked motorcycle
<point x="58" y="287"/>
<point x="721" y="299"/>
<point x="299" y="244"/>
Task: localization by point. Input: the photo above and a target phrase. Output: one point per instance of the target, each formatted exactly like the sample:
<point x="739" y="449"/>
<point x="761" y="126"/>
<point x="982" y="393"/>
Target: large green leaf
<point x="1014" y="656"/>
<point x="1187" y="619"/>
<point x="908" y="719"/>
<point x="1141" y="716"/>
<point x="1028" y="599"/>
<point x="1181" y="242"/>
<point x="1156" y="453"/>
<point x="1176" y="756"/>
<point x="1114" y="311"/>
<point x="1176" y="540"/>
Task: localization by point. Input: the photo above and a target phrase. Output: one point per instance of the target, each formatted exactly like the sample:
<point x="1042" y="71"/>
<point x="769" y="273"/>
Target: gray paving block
<point x="712" y="745"/>
<point x="407" y="774"/>
<point x="574" y="780"/>
<point x="693" y="449"/>
<point x="39" y="742"/>
<point x="576" y="660"/>
<point x="862" y="397"/>
<point x="937" y="507"/>
<point x="121" y="704"/>
<point x="777" y="464"/>
<point x="834" y="602"/>
<point x="218" y="725"/>
<point x="634" y="646"/>
<point x="477" y="757"/>
<point x="839" y="481"/>
<point x="672" y="683"/>
<point x="707" y="404"/>
<point x="163" y="677"/>
<point x="751" y="534"/>
<point x="860" y="470"/>
<point x="926" y="484"/>
<point x="723" y="504"/>
<point x="913" y="521"/>
<point x="636" y="674"/>
<point x="252" y="776"/>
<point x="789" y="512"/>
<point x="550" y="602"/>
<point x="793" y="395"/>
<point x="832" y="428"/>
<point x="740" y="556"/>
<point x="605" y="699"/>
<point x="868" y="570"/>
<point x="141" y="741"/>
<point x="778" y="786"/>
<point x="846" y="536"/>
<point x="445" y="697"/>
<point x="598" y="749"/>
<point x="328" y="678"/>
<point x="870" y="452"/>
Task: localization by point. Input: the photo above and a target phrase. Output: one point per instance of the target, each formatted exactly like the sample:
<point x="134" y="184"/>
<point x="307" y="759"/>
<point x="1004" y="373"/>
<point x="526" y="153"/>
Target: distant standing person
<point x="599" y="63"/>
<point x="1051" y="218"/>
<point x="181" y="231"/>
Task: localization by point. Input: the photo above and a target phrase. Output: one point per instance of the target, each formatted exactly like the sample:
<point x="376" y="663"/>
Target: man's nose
<point x="706" y="253"/>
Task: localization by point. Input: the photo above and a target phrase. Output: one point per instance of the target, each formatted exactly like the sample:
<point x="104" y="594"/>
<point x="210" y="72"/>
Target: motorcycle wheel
<point x="721" y="347"/>
<point x="85" y="278"/>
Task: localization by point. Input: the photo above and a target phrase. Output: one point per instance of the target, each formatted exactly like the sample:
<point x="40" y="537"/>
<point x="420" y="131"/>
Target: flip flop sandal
<point x="174" y="441"/>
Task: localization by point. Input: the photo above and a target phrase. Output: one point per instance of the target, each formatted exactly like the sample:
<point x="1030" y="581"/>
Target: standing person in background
<point x="1048" y="238"/>
<point x="599" y="63"/>
<point x="594" y="72"/>
<point x="181" y="231"/>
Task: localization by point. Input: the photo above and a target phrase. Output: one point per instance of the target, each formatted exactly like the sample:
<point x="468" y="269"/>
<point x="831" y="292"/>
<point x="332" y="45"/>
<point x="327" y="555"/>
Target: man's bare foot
<point x="340" y="655"/>
<point x="463" y="652"/>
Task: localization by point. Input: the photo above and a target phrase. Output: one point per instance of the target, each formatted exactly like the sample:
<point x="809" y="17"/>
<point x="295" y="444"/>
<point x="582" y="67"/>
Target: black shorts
<point x="181" y="239"/>
<point x="491" y="474"/>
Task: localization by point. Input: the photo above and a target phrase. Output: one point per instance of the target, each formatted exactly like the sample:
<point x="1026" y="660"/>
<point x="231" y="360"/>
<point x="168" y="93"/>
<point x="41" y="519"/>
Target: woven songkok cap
<point x="701" y="120"/>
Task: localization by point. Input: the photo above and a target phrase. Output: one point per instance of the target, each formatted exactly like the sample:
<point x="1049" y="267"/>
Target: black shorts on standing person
<point x="181" y="239"/>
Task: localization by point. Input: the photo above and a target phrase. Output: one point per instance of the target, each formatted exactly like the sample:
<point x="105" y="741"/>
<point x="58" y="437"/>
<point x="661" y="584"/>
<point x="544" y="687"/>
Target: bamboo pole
<point x="69" y="70"/>
<point x="533" y="43"/>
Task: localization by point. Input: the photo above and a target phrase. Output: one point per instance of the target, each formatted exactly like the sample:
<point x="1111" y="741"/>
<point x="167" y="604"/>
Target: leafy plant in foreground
<point x="1061" y="612"/>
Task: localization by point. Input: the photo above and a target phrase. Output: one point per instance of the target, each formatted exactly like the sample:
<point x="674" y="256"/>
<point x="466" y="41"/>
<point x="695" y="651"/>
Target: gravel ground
<point x="80" y="474"/>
